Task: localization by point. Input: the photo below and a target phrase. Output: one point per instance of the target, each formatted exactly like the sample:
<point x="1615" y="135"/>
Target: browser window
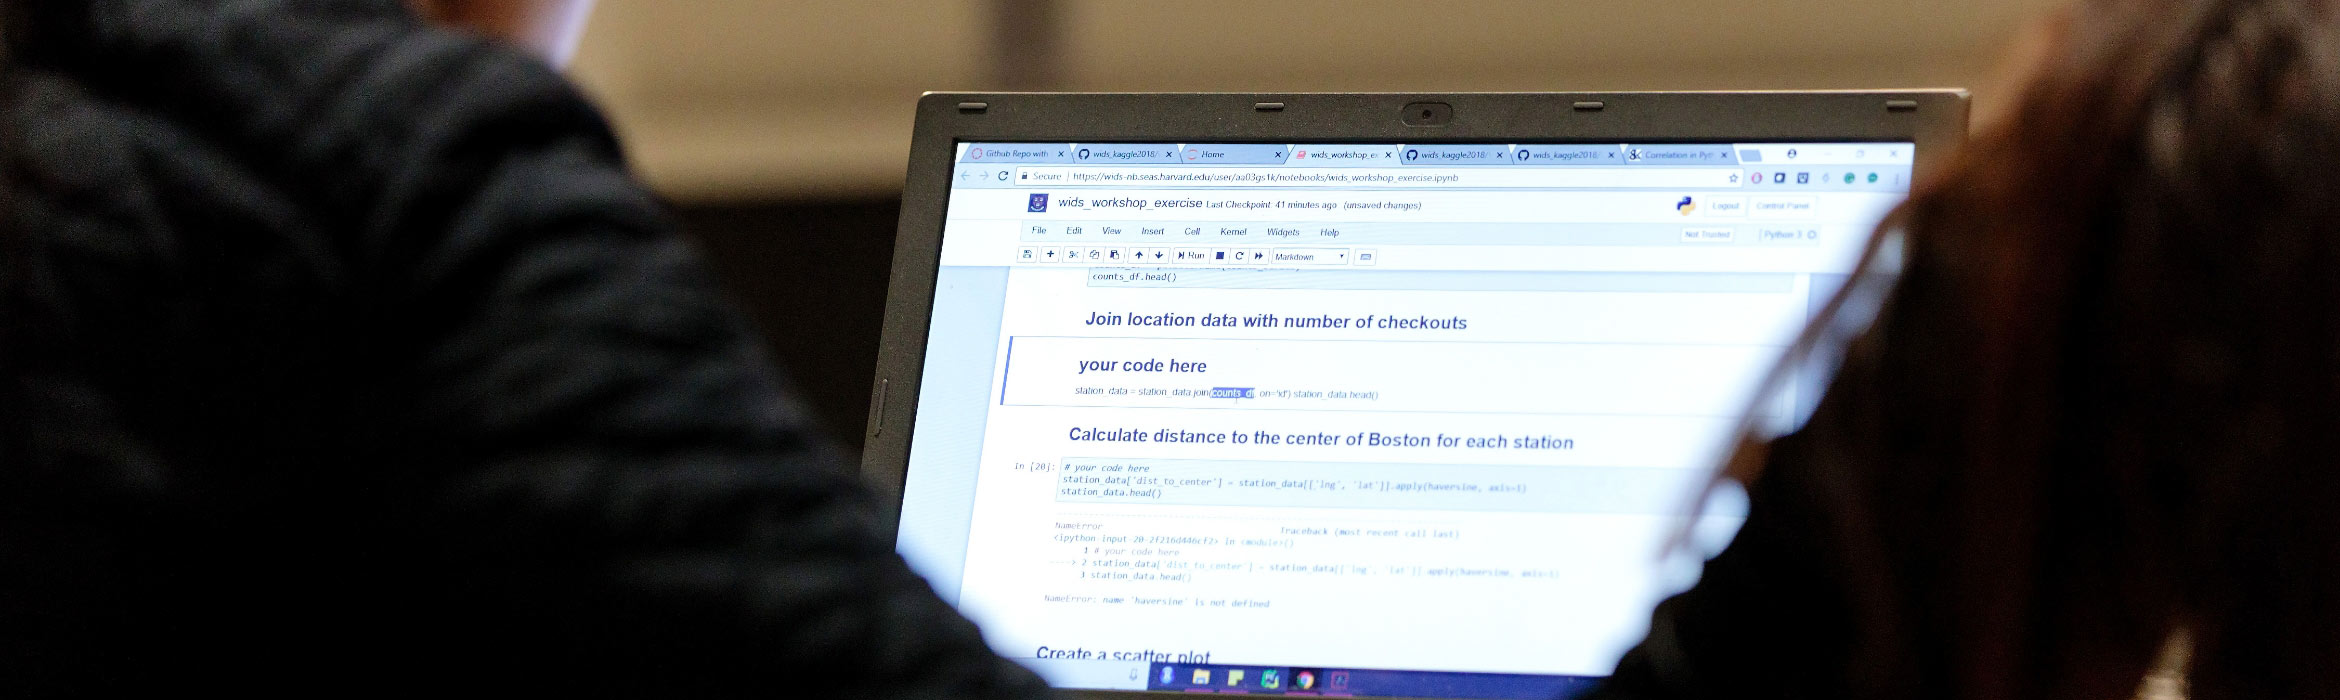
<point x="1390" y="418"/>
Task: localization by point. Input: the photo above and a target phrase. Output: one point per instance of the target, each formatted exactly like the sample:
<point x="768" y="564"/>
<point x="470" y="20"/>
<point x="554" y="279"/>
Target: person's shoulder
<point x="330" y="101"/>
<point x="63" y="143"/>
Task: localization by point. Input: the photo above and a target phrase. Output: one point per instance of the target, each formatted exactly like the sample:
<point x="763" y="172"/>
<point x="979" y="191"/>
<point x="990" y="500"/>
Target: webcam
<point x="1427" y="114"/>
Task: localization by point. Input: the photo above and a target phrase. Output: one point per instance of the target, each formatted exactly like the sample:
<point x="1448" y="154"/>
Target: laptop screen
<point x="1405" y="420"/>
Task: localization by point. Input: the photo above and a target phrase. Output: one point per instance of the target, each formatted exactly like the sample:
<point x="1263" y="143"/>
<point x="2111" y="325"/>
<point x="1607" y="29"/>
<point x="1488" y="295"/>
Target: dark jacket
<point x="335" y="349"/>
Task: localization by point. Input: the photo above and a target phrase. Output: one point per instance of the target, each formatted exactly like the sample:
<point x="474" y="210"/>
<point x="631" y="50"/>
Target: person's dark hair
<point x="2101" y="405"/>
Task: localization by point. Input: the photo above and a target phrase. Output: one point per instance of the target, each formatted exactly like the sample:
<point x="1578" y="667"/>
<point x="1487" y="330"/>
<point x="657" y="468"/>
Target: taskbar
<point x="1360" y="683"/>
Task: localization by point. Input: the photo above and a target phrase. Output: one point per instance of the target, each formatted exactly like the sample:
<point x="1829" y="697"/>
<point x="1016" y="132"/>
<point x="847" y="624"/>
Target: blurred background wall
<point x="780" y="130"/>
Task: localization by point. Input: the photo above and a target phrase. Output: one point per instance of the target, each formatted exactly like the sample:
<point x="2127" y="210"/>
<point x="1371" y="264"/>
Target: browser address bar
<point x="1393" y="178"/>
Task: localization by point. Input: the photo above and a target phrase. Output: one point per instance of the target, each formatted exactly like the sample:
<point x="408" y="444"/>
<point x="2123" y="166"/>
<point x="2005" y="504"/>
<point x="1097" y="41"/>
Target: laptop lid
<point x="1365" y="395"/>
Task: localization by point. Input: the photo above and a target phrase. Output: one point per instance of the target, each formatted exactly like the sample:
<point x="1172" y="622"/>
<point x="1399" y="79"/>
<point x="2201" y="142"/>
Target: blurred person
<point x="2096" y="413"/>
<point x="340" y="352"/>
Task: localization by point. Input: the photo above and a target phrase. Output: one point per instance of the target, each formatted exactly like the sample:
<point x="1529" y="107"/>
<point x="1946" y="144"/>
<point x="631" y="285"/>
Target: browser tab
<point x="1675" y="154"/>
<point x="1570" y="154"/>
<point x="1334" y="155"/>
<point x="1828" y="153"/>
<point x="1120" y="153"/>
<point x="1016" y="153"/>
<point x="1438" y="154"/>
<point x="1234" y="153"/>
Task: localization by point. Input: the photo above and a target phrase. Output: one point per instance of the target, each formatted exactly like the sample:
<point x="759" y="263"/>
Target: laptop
<point x="1367" y="395"/>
